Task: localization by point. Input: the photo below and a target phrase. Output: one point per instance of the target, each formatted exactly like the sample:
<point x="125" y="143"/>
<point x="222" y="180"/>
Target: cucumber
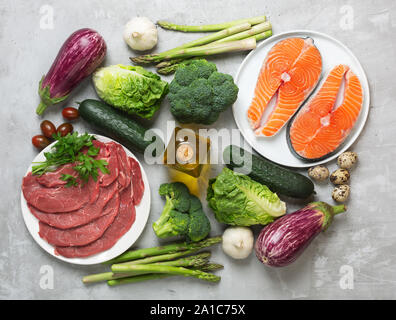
<point x="276" y="178"/>
<point x="115" y="125"/>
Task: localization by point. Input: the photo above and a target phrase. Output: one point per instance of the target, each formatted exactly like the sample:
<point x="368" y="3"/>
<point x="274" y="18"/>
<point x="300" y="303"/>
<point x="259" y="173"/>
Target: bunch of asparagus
<point x="238" y="35"/>
<point x="160" y="262"/>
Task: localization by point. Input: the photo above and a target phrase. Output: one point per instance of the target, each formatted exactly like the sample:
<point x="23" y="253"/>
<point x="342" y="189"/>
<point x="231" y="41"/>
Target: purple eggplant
<point x="79" y="56"/>
<point x="282" y="242"/>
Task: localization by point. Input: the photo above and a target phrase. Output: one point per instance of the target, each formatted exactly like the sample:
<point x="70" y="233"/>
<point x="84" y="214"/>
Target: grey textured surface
<point x="363" y="239"/>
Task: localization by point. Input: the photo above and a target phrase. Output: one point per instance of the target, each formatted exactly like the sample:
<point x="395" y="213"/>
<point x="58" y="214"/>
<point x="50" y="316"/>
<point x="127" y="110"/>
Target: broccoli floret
<point x="182" y="214"/>
<point x="173" y="223"/>
<point x="199" y="93"/>
<point x="199" y="226"/>
<point x="177" y="196"/>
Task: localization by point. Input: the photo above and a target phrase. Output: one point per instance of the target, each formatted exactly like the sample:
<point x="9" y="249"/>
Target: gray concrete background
<point x="363" y="239"/>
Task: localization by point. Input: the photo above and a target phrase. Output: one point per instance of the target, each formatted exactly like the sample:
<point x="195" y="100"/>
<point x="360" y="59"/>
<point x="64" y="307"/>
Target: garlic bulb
<point x="140" y="34"/>
<point x="238" y="242"/>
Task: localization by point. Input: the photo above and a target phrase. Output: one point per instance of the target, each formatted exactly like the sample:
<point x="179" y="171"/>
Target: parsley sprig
<point x="68" y="149"/>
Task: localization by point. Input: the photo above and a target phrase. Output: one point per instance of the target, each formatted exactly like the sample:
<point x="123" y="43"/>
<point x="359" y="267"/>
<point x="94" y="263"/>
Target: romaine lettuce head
<point x="131" y="89"/>
<point x="238" y="200"/>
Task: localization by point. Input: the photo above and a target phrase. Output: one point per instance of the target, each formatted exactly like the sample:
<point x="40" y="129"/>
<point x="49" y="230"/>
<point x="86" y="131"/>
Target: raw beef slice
<point x="81" y="235"/>
<point x="121" y="224"/>
<point x="84" y="215"/>
<point x="58" y="199"/>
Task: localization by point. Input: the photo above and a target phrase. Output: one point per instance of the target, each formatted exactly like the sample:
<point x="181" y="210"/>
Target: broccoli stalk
<point x="182" y="214"/>
<point x="209" y="27"/>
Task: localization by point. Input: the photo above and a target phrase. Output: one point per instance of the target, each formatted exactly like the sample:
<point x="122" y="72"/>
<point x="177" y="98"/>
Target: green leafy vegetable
<point x="68" y="150"/>
<point x="131" y="89"/>
<point x="238" y="200"/>
<point x="198" y="93"/>
<point x="182" y="214"/>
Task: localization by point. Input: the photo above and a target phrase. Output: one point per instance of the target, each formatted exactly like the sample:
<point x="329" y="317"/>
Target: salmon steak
<point x="290" y="72"/>
<point x="321" y="126"/>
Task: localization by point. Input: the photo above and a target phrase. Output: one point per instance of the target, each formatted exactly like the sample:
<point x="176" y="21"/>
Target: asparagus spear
<point x="211" y="267"/>
<point x="262" y="35"/>
<point x="168" y="70"/>
<point x="148" y="58"/>
<point x="170" y="248"/>
<point x="168" y="63"/>
<point x="210" y="27"/>
<point x="161" y="257"/>
<point x="198" y="260"/>
<point x="153" y="268"/>
<point x="265" y="26"/>
<point x="153" y="276"/>
<point x="241" y="45"/>
<point x="170" y="66"/>
<point x="145" y="277"/>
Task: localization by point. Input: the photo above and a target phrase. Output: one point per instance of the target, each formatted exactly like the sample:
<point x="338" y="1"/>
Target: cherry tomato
<point x="40" y="141"/>
<point x="47" y="128"/>
<point x="70" y="113"/>
<point x="64" y="129"/>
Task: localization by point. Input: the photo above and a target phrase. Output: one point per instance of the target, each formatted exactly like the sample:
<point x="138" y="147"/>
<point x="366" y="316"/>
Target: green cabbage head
<point x="131" y="89"/>
<point x="238" y="200"/>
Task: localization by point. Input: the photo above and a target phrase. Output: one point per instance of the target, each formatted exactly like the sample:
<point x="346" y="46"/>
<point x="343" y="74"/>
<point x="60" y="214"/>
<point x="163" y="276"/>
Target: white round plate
<point x="127" y="240"/>
<point x="275" y="148"/>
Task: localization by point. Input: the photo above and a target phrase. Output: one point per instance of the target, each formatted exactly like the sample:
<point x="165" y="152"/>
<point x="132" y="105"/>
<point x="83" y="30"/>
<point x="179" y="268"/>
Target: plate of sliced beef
<point x="93" y="222"/>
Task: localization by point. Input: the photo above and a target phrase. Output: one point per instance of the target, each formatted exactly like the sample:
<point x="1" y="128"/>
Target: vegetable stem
<point x="209" y="27"/>
<point x="159" y="258"/>
<point x="198" y="260"/>
<point x="170" y="248"/>
<point x="41" y="108"/>
<point x="145" y="277"/>
<point x="262" y="35"/>
<point x="154" y="268"/>
<point x="170" y="66"/>
<point x="265" y="26"/>
<point x="211" y="267"/>
<point x="339" y="209"/>
<point x="233" y="46"/>
<point x="153" y="276"/>
<point x="196" y="44"/>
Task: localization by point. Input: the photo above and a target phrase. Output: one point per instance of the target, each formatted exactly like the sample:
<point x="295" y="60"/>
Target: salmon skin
<point x="319" y="127"/>
<point x="290" y="72"/>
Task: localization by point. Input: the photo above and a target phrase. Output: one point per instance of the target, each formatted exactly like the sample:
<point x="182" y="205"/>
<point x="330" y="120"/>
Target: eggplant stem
<point x="339" y="209"/>
<point x="41" y="108"/>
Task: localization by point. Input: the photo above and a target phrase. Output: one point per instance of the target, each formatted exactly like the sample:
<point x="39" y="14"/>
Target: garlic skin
<point x="238" y="242"/>
<point x="140" y="34"/>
